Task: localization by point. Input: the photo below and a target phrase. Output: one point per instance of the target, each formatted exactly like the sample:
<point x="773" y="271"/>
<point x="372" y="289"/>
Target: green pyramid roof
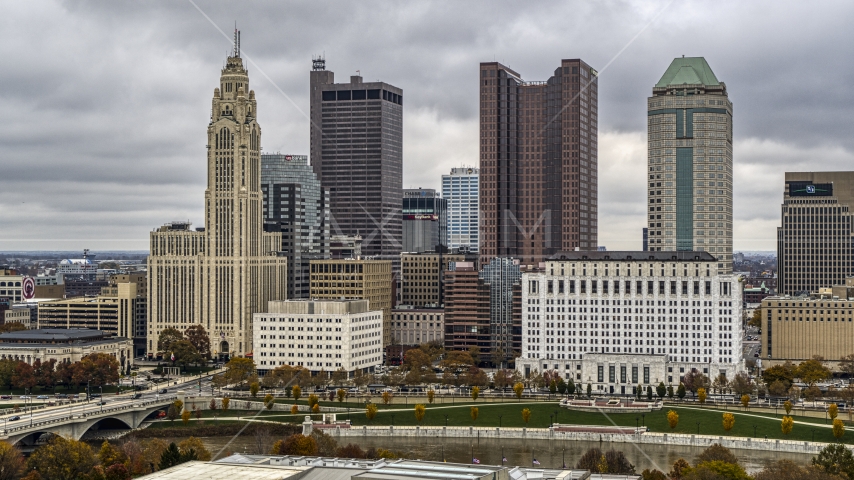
<point x="688" y="70"/>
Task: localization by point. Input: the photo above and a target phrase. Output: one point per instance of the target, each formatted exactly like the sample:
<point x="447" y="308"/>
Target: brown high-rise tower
<point x="538" y="160"/>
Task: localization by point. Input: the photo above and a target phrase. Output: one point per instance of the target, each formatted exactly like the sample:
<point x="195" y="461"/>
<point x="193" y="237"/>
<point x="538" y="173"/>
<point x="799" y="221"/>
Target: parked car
<point x="42" y="397"/>
<point x="16" y="417"/>
<point x="24" y="397"/>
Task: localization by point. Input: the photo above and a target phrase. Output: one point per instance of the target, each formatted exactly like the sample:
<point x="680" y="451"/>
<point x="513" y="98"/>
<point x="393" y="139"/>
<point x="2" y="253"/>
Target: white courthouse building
<point x="318" y="335"/>
<point x="618" y="319"/>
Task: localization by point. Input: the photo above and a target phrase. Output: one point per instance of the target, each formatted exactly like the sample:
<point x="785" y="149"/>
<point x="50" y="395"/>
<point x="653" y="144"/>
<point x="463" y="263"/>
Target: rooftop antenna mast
<point x="236" y="41"/>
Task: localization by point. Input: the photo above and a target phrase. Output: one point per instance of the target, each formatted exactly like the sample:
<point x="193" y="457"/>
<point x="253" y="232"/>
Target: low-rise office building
<point x="414" y="326"/>
<point x="355" y="278"/>
<point x="318" y="335"/>
<point x="601" y="311"/>
<point x="798" y="328"/>
<point x="63" y="344"/>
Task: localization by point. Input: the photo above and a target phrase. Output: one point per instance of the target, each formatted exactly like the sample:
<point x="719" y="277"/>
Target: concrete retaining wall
<point x="703" y="441"/>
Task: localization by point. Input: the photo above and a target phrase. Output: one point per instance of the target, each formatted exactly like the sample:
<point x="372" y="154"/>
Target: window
<point x="600" y="373"/>
<point x="646" y="375"/>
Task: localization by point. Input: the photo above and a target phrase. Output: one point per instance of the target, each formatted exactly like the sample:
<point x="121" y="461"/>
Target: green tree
<point x="784" y="373"/>
<point x="199" y="338"/>
<point x="7" y="370"/>
<point x="313" y="400"/>
<point x="62" y="459"/>
<point x="660" y="390"/>
<point x="12" y="463"/>
<point x="172" y="456"/>
<point x="589" y="390"/>
<point x="185" y="354"/>
<point x="717" y="452"/>
<point x="167" y="337"/>
<point x="570" y="387"/>
<point x="553" y="387"/>
<point x="110" y="455"/>
<point x="718" y="470"/>
<point x="670" y="392"/>
<point x="196" y="446"/>
<point x="254" y="387"/>
<point x="649" y="392"/>
<point x="812" y="371"/>
<point x="297" y="392"/>
<point x="561" y="386"/>
<point x="680" y="391"/>
<point x="239" y="370"/>
<point x="835" y="459"/>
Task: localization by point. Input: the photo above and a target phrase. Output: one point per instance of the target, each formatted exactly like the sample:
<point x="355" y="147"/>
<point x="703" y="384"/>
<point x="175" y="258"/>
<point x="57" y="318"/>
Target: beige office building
<point x="414" y="326"/>
<point x="352" y="279"/>
<point x="690" y="162"/>
<point x="422" y="277"/>
<point x="798" y="328"/>
<point x="220" y="275"/>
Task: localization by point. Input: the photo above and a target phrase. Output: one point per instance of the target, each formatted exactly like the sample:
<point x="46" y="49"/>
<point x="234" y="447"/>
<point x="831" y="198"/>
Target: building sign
<point x="28" y="288"/>
<point x="807" y="189"/>
<point x="421" y="217"/>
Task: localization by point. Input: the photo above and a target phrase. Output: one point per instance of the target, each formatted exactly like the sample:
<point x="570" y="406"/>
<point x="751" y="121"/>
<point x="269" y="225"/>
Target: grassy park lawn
<point x="542" y="414"/>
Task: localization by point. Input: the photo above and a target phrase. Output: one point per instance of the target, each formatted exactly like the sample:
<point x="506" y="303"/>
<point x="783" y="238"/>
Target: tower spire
<point x="236" y="51"/>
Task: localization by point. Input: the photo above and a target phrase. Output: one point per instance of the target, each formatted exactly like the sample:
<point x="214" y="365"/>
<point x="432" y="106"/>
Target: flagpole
<point x="502" y="456"/>
<point x="472" y="453"/>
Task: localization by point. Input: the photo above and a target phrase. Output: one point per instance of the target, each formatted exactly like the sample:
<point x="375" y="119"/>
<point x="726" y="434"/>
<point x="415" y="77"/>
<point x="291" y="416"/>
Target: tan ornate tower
<point x="221" y="275"/>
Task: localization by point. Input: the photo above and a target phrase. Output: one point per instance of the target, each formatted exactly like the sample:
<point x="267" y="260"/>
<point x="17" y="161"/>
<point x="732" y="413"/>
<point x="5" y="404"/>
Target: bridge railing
<point x="35" y="424"/>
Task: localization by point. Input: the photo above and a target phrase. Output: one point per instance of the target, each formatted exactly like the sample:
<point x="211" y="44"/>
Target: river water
<point x="521" y="452"/>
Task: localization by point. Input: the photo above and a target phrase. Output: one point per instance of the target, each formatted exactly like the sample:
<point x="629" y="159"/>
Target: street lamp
<point x="446" y="420"/>
<point x="556" y="412"/>
<point x="550" y="419"/>
<point x="813" y="434"/>
<point x="754" y="430"/>
<point x="499" y="420"/>
<point x="643" y="419"/>
<point x="392" y="420"/>
<point x="637" y="424"/>
<point x="698" y="428"/>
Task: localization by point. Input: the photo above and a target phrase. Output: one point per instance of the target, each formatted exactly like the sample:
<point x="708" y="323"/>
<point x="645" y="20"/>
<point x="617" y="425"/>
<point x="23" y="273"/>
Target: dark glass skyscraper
<point x="357" y="153"/>
<point x="538" y="162"/>
<point x="297" y="206"/>
<point x="424" y="222"/>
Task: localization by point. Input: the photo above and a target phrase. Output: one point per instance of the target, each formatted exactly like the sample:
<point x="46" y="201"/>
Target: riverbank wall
<point x="703" y="441"/>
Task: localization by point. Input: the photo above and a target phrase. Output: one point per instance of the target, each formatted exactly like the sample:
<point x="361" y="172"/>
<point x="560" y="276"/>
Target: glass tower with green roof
<point x="690" y="162"/>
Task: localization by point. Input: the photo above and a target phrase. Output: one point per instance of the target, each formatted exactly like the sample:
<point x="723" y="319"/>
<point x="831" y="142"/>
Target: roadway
<point x="28" y="416"/>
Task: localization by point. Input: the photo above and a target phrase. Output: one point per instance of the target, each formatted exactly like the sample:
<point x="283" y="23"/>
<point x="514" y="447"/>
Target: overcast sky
<point x="107" y="103"/>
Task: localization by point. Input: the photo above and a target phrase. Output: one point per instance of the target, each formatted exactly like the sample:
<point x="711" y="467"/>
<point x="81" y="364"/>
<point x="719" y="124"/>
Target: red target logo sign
<point x="28" y="288"/>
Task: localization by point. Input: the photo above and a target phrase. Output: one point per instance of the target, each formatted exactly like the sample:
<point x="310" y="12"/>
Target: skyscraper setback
<point x="357" y="152"/>
<point x="538" y="162"/>
<point x="690" y="162"/>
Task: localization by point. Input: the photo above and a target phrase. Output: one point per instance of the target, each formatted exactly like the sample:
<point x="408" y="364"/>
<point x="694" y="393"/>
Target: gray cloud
<point x="108" y="104"/>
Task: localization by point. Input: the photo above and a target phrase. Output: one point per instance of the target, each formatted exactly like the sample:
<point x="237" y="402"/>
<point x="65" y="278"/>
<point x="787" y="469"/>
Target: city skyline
<point x="105" y="186"/>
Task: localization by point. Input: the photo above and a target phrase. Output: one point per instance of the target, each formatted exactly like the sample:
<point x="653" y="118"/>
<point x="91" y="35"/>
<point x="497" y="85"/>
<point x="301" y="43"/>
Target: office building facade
<point x="626" y="304"/>
<point x="424" y="222"/>
<point x="219" y="275"/>
<point x="422" y="277"/>
<point x="798" y="328"/>
<point x="356" y="138"/>
<point x="320" y="336"/>
<point x="296" y="206"/>
<point x="461" y="189"/>
<point x="414" y="326"/>
<point x="355" y="279"/>
<point x="690" y="162"/>
<point x="467" y="322"/>
<point x="815" y="239"/>
<point x="502" y="275"/>
<point x="538" y="162"/>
